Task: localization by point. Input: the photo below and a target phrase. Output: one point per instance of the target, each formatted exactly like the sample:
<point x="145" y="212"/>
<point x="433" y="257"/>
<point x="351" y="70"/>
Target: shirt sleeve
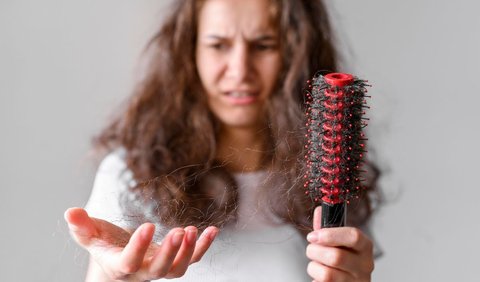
<point x="111" y="182"/>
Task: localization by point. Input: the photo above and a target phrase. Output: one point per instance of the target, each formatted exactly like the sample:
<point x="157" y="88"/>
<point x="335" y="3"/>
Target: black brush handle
<point x="333" y="215"/>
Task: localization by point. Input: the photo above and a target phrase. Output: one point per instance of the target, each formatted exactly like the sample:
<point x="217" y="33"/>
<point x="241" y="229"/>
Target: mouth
<point x="241" y="97"/>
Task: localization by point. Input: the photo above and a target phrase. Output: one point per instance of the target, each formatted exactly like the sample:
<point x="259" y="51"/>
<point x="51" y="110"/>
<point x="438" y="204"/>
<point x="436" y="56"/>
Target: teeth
<point x="239" y="94"/>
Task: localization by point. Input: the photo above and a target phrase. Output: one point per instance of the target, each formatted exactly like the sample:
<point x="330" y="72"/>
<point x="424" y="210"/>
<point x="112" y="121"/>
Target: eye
<point x="218" y="46"/>
<point x="264" y="46"/>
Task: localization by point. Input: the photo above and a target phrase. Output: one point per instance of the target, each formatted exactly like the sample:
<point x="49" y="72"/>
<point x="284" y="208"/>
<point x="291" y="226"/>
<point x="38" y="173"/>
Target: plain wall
<point x="423" y="59"/>
<point x="66" y="65"/>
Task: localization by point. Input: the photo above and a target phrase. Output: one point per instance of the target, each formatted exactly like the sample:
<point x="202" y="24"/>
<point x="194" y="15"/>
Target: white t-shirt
<point x="252" y="249"/>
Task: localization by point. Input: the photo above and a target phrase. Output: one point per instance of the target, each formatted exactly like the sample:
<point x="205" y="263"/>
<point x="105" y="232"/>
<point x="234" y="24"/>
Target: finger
<point x="317" y="218"/>
<point x="182" y="260"/>
<point x="338" y="258"/>
<point x="163" y="259"/>
<point x="347" y="237"/>
<point x="205" y="241"/>
<point x="81" y="226"/>
<point x="320" y="272"/>
<point x="132" y="256"/>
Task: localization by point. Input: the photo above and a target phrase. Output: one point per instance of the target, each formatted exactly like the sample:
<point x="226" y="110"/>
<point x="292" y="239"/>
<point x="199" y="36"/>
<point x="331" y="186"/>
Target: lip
<point x="246" y="98"/>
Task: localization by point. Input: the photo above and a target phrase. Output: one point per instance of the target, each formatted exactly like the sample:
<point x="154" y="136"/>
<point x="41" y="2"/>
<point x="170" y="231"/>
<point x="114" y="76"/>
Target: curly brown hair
<point x="170" y="135"/>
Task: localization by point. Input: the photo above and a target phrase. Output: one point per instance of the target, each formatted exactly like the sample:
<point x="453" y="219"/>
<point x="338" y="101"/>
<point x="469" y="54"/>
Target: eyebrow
<point x="265" y="37"/>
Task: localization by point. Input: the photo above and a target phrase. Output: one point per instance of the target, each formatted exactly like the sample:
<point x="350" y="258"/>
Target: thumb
<point x="81" y="225"/>
<point x="317" y="218"/>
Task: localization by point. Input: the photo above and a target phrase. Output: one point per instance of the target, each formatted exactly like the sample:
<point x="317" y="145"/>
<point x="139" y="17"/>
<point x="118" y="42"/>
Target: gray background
<point x="65" y="65"/>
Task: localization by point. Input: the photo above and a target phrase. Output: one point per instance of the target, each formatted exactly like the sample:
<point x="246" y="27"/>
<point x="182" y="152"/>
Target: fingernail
<point x="212" y="234"/>
<point x="191" y="235"/>
<point x="145" y="232"/>
<point x="177" y="238"/>
<point x="72" y="227"/>
<point x="312" y="237"/>
<point x="205" y="234"/>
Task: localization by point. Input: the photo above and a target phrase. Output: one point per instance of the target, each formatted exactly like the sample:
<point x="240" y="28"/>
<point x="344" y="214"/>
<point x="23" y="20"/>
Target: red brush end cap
<point x="339" y="79"/>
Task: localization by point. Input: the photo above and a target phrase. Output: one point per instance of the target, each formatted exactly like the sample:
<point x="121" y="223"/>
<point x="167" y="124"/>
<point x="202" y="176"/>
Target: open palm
<point x="133" y="256"/>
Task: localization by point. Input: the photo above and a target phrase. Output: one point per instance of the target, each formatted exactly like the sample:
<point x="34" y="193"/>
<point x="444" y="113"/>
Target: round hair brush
<point x="335" y="143"/>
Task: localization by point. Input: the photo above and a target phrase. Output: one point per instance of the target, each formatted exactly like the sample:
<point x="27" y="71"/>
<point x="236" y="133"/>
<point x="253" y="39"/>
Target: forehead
<point x="231" y="17"/>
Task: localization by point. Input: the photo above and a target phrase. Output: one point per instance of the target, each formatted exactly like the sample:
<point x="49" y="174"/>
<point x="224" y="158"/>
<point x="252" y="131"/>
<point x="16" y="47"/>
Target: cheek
<point x="208" y="68"/>
<point x="271" y="71"/>
<point x="202" y="69"/>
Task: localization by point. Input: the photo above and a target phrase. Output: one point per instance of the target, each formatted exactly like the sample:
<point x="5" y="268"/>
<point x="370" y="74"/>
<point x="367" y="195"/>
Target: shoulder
<point x="113" y="169"/>
<point x="114" y="162"/>
<point x="112" y="182"/>
<point x="113" y="199"/>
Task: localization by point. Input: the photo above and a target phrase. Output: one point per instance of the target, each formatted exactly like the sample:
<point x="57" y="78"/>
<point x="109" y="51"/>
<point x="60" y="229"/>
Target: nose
<point x="239" y="64"/>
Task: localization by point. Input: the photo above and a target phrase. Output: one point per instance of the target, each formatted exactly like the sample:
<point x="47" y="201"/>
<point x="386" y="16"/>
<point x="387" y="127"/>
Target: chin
<point x="240" y="122"/>
<point x="240" y="117"/>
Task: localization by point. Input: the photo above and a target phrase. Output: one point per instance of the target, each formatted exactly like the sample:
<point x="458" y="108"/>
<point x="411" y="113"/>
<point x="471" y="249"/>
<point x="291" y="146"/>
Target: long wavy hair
<point x="170" y="136"/>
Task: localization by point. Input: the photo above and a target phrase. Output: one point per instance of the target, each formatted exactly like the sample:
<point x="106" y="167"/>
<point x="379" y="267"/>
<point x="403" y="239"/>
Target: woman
<point x="211" y="143"/>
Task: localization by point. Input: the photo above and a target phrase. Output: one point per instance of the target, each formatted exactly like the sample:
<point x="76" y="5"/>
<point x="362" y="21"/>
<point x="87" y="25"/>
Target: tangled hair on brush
<point x="168" y="113"/>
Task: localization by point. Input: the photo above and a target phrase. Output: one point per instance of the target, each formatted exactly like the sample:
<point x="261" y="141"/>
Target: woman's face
<point x="238" y="59"/>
